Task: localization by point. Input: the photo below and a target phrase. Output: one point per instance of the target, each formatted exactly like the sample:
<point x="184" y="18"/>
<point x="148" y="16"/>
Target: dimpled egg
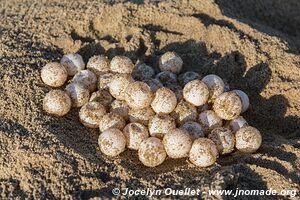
<point x="215" y="85"/>
<point x="160" y="125"/>
<point x="184" y="112"/>
<point x="135" y="134"/>
<point x="57" y="103"/>
<point x="196" y="92"/>
<point x="141" y="115"/>
<point x="118" y="85"/>
<point x="111" y="120"/>
<point x="177" y="143"/>
<point x="209" y="120"/>
<point x="98" y="65"/>
<point x="228" y="105"/>
<point x="138" y="95"/>
<point x="164" y="101"/>
<point x="224" y="140"/>
<point x="86" y="78"/>
<point x="120" y="107"/>
<point x="248" y="139"/>
<point x="91" y="113"/>
<point x="78" y="93"/>
<point x="54" y="74"/>
<point x="203" y="153"/>
<point x="152" y="152"/>
<point x="121" y="64"/>
<point x="73" y="63"/>
<point x="170" y="61"/>
<point x="194" y="129"/>
<point x="112" y="142"/>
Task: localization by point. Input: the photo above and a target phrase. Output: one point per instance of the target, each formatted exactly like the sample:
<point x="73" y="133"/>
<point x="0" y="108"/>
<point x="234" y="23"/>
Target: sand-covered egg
<point x="98" y="64"/>
<point x="177" y="143"/>
<point x="152" y="152"/>
<point x="141" y="115"/>
<point x="118" y="85"/>
<point x="111" y="120"/>
<point x="194" y="129"/>
<point x="196" y="93"/>
<point x="121" y="108"/>
<point x="215" y="85"/>
<point x="161" y="125"/>
<point x="209" y="120"/>
<point x="184" y="112"/>
<point x="164" y="101"/>
<point x="78" y="93"/>
<point x="57" y="103"/>
<point x="86" y="78"/>
<point x="112" y="142"/>
<point x="138" y="95"/>
<point x="170" y="61"/>
<point x="224" y="139"/>
<point x="248" y="139"/>
<point x="228" y="105"/>
<point x="73" y="63"/>
<point x="54" y="74"/>
<point x="135" y="134"/>
<point x="203" y="153"/>
<point x="121" y="64"/>
<point x="91" y="113"/>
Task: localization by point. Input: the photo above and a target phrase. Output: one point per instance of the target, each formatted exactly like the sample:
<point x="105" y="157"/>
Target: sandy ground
<point x="253" y="45"/>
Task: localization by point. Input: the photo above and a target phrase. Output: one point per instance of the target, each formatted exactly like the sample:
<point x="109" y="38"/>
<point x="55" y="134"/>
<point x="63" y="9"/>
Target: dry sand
<point x="253" y="45"/>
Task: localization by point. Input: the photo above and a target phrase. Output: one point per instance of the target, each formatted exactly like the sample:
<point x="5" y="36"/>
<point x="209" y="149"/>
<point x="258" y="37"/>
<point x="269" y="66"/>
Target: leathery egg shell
<point x="138" y="95"/>
<point x="224" y="139"/>
<point x="196" y="93"/>
<point x="111" y="120"/>
<point x="112" y="142"/>
<point x="118" y="85"/>
<point x="228" y="105"/>
<point x="54" y="74"/>
<point x="91" y="113"/>
<point x="248" y="139"/>
<point x="57" y="103"/>
<point x="87" y="78"/>
<point x="152" y="152"/>
<point x="203" y="153"/>
<point x="135" y="134"/>
<point x="164" y="101"/>
<point x="73" y="63"/>
<point x="161" y="125"/>
<point x="177" y="143"/>
<point x="78" y="93"/>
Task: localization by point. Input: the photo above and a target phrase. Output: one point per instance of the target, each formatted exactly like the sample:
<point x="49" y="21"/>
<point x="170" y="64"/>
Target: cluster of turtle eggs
<point x="159" y="115"/>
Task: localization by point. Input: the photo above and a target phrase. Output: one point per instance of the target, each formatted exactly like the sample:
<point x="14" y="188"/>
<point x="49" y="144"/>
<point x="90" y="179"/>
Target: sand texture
<point x="254" y="45"/>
